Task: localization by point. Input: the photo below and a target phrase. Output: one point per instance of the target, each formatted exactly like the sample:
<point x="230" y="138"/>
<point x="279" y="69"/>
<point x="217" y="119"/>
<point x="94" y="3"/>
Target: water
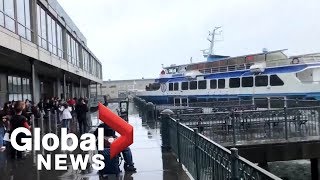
<point x="293" y="170"/>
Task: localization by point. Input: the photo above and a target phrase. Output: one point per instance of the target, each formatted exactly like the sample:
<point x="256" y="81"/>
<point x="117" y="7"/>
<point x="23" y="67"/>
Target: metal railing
<point x="206" y="159"/>
<point x="237" y="127"/>
<point x="201" y="156"/>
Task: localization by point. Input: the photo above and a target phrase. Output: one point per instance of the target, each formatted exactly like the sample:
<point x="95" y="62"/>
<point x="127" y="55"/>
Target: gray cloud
<point x="133" y="38"/>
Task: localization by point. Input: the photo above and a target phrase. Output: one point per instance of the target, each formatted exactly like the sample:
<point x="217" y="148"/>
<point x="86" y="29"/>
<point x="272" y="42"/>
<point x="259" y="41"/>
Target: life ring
<point x="295" y="61"/>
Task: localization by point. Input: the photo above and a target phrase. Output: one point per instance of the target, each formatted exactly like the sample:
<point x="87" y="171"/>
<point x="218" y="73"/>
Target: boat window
<point x="176" y="86"/>
<point x="261" y="81"/>
<point x="275" y="81"/>
<point x="172" y="70"/>
<point x="234" y="82"/>
<point x="202" y="84"/>
<point x="193" y="85"/>
<point x="213" y="84"/>
<point x="247" y="82"/>
<point x="221" y="83"/>
<point x="170" y="86"/>
<point x="184" y="85"/>
<point x="153" y="87"/>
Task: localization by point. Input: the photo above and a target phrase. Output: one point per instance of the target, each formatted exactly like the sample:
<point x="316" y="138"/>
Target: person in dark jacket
<point x="126" y="153"/>
<point x="41" y="105"/>
<point x="81" y="110"/>
<point x="18" y="120"/>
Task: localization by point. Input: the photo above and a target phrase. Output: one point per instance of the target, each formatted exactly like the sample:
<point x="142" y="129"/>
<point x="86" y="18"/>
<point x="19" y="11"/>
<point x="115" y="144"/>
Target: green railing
<point x="202" y="157"/>
<point x="205" y="159"/>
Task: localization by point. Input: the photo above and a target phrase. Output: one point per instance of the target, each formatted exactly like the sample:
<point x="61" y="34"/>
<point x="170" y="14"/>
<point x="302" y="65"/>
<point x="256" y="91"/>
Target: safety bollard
<point x="164" y="129"/>
<point x="234" y="164"/>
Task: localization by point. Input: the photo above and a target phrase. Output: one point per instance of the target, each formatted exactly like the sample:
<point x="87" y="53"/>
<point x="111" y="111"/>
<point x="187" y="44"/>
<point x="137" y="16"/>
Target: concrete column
<point x="89" y="90"/>
<point x="253" y="101"/>
<point x="269" y="102"/>
<point x="101" y="89"/>
<point x="64" y="87"/>
<point x="96" y="90"/>
<point x="315" y="167"/>
<point x="80" y="87"/>
<point x="33" y="81"/>
<point x="72" y="90"/>
<point x="54" y="86"/>
<point x="58" y="87"/>
<point x="34" y="23"/>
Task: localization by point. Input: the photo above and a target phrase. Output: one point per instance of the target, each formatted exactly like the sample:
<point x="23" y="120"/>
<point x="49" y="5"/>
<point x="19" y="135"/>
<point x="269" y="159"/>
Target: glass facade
<point x="11" y="17"/>
<point x="59" y="41"/>
<point x="86" y="59"/>
<point x="23" y="17"/>
<point x="15" y="15"/>
<point x="73" y="51"/>
<point x="19" y="88"/>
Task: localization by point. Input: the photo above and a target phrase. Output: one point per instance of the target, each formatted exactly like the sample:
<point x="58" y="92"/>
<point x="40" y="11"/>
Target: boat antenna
<point x="212" y="34"/>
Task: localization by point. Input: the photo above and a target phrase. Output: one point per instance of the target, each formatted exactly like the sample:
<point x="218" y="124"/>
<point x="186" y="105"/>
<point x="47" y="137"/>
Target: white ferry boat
<point x="270" y="74"/>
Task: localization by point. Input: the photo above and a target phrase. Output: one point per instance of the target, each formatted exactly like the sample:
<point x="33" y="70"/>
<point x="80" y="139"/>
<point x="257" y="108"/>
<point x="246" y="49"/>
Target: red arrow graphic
<point x="119" y="125"/>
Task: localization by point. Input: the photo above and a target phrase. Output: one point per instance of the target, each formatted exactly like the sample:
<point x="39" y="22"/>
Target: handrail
<point x="235" y="166"/>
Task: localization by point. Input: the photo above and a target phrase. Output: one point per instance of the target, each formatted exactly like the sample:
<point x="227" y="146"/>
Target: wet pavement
<point x="150" y="162"/>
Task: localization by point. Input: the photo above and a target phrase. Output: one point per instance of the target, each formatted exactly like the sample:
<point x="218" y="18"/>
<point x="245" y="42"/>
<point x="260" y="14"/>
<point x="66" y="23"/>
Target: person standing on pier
<point x="81" y="110"/>
<point x="66" y="116"/>
<point x="2" y="132"/>
<point x="18" y="120"/>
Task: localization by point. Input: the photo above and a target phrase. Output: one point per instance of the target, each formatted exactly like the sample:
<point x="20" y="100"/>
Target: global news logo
<point x="88" y="142"/>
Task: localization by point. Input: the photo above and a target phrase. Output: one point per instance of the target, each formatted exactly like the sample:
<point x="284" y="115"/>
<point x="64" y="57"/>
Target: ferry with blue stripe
<point x="266" y="75"/>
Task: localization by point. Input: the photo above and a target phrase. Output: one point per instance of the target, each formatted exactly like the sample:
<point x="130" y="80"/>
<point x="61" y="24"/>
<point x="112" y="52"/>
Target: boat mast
<point x="212" y="34"/>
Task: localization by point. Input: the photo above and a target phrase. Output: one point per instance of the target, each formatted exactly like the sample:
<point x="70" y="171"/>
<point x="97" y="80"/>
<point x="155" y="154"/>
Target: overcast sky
<point x="132" y="38"/>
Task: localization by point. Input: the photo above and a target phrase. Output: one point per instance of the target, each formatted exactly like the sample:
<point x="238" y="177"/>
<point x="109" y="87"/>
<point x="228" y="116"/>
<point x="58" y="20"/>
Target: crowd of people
<point x="16" y="114"/>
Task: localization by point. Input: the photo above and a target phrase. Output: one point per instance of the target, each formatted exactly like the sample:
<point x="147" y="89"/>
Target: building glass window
<point x="247" y="82"/>
<point x="90" y="65"/>
<point x="275" y="81"/>
<point x="16" y="13"/>
<point x="202" y="84"/>
<point x="43" y="29"/>
<point x="72" y="51"/>
<point x="1" y="13"/>
<point x="59" y="41"/>
<point x="86" y="59"/>
<point x="184" y="85"/>
<point x="49" y="25"/>
<point x="221" y="83"/>
<point x="9" y="15"/>
<point x="54" y="36"/>
<point x="39" y="25"/>
<point x="234" y="82"/>
<point x="18" y="88"/>
<point x="175" y="87"/>
<point x="68" y="39"/>
<point x="23" y="17"/>
<point x="28" y="19"/>
<point x="193" y="85"/>
<point x="213" y="84"/>
<point x="261" y="81"/>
